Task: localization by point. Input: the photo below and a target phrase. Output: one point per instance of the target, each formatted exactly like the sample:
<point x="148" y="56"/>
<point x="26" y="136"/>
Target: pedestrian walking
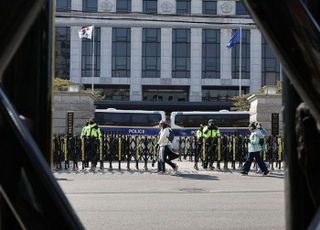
<point x="254" y="149"/>
<point x="165" y="154"/>
<point x="262" y="134"/>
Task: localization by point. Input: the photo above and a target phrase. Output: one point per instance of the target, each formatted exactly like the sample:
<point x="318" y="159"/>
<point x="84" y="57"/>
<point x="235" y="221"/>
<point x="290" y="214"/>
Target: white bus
<point x="228" y="122"/>
<point x="129" y="122"/>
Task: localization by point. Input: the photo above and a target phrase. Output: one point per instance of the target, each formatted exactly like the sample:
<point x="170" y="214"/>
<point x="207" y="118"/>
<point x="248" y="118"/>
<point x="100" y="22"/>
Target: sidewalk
<point x="184" y="166"/>
<point x="186" y="200"/>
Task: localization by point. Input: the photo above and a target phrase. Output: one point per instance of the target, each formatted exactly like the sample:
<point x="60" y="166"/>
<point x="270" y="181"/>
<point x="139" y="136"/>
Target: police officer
<point x="84" y="145"/>
<point x="211" y="134"/>
<point x="83" y="130"/>
<point x="199" y="141"/>
<point x="94" y="136"/>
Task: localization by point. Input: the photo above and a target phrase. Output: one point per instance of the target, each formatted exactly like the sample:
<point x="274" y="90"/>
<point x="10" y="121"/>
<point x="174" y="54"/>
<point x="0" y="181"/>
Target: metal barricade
<point x="228" y="149"/>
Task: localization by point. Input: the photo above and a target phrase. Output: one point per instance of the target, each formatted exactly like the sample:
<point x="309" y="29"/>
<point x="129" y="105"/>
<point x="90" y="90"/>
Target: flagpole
<point x="240" y="63"/>
<point x="92" y="74"/>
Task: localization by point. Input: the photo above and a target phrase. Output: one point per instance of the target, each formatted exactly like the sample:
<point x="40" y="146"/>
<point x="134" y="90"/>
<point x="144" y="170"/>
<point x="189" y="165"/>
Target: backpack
<point x="261" y="141"/>
<point x="171" y="135"/>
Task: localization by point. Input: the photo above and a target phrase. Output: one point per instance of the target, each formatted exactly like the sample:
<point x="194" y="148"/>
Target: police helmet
<point x="91" y="121"/>
<point x="211" y="122"/>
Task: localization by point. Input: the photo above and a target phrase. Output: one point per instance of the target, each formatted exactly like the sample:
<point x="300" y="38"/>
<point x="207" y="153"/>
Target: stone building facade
<point x="189" y="61"/>
<point x="81" y="104"/>
<point x="266" y="107"/>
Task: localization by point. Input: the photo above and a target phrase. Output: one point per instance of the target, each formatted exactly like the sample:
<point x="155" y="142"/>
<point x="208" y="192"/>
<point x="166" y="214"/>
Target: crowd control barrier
<point x="112" y="150"/>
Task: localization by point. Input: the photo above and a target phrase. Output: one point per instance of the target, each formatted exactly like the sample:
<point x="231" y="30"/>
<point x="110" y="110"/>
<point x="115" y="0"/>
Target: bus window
<point x="185" y="123"/>
<point x="129" y="121"/>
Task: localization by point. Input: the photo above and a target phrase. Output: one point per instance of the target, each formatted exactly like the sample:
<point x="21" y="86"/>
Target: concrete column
<point x="196" y="6"/>
<point x="76" y="5"/>
<point x="166" y="6"/>
<point x="166" y="53"/>
<point x="136" y="64"/>
<point x="75" y="55"/>
<point x="196" y="60"/>
<point x="225" y="64"/>
<point x="106" y="52"/>
<point x="255" y="61"/>
<point x="136" y="6"/>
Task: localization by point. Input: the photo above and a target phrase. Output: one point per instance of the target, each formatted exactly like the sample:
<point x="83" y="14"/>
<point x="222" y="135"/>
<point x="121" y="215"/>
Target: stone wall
<point x="81" y="104"/>
<point x="263" y="105"/>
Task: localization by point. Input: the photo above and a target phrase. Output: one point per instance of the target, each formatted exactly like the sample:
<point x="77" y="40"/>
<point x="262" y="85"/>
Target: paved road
<point x="187" y="200"/>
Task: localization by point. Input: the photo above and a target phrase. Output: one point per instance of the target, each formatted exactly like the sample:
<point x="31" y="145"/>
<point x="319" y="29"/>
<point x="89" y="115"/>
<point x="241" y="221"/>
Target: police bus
<point x="129" y="122"/>
<point x="228" y="122"/>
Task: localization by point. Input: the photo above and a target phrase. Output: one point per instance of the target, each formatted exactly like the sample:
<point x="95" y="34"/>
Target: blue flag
<point x="234" y="39"/>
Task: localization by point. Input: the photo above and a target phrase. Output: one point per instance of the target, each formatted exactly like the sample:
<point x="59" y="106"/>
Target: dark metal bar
<point x="38" y="163"/>
<point x="14" y="31"/>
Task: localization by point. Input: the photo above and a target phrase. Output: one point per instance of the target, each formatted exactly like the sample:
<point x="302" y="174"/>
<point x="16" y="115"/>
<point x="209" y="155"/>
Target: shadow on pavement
<point x="63" y="179"/>
<point x="272" y="175"/>
<point x="196" y="176"/>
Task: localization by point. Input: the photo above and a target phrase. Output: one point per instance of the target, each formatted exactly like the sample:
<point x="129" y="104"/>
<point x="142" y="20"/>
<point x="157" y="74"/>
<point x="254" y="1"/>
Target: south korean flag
<point x="86" y="32"/>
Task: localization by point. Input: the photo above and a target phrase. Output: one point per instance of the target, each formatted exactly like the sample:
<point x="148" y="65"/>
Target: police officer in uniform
<point x="83" y="130"/>
<point x="199" y="136"/>
<point x="211" y="134"/>
<point x="84" y="145"/>
<point x="94" y="136"/>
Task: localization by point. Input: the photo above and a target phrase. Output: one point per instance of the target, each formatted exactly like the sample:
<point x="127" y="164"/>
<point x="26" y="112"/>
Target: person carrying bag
<point x="165" y="154"/>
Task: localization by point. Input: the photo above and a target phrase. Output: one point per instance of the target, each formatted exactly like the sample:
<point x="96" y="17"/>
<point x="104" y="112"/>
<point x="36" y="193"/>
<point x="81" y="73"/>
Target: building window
<point x="86" y="60"/>
<point x="150" y="6"/>
<point x="241" y="9"/>
<point x="270" y="65"/>
<point x="169" y="94"/>
<point x="209" y="7"/>
<point x="90" y="5"/>
<point x="62" y="45"/>
<point x="123" y="6"/>
<point x="116" y="92"/>
<point x="151" y="53"/>
<point x="63" y="5"/>
<point x="210" y="53"/>
<point x="181" y="53"/>
<point x="222" y="93"/>
<point x="121" y="52"/>
<point x="183" y="6"/>
<point x="245" y="56"/>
